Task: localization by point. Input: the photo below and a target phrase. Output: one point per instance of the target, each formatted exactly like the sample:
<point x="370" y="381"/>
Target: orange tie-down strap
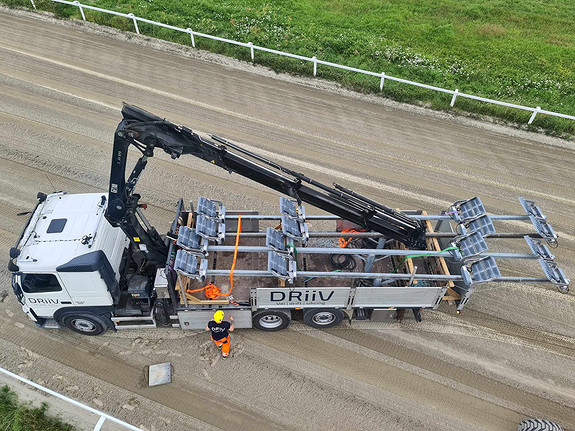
<point x="344" y="242"/>
<point x="211" y="290"/>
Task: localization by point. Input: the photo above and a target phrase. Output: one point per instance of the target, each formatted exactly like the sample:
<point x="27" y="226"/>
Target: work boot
<point x="220" y="347"/>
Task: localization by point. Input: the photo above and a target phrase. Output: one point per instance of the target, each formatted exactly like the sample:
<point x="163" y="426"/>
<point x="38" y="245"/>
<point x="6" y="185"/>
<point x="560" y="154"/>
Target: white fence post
<point x="454" y="96"/>
<point x="81" y="10"/>
<point x="314" y="59"/>
<point x="131" y="15"/>
<point x="251" y="50"/>
<point x="33" y="4"/>
<point x="537" y="109"/>
<point x="189" y="30"/>
<point x="98" y="426"/>
<point x="382" y="80"/>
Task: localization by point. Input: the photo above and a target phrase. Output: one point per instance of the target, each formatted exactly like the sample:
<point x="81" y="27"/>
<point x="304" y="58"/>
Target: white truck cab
<point x="67" y="260"/>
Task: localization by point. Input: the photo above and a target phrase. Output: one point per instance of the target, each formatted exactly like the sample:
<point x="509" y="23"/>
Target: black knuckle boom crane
<point x="133" y="277"/>
<point x="147" y="132"/>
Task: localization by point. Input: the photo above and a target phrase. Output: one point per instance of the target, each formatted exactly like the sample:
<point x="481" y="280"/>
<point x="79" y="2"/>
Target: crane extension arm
<point x="147" y="131"/>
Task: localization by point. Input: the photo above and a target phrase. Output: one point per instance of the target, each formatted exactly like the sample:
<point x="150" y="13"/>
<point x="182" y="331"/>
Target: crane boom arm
<point x="147" y="132"/>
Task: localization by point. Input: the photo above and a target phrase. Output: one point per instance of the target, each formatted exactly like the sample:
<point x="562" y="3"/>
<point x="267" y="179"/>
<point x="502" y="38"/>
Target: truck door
<point x="43" y="294"/>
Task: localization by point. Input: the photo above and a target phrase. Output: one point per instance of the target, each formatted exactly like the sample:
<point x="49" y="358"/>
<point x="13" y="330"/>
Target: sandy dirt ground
<point x="509" y="356"/>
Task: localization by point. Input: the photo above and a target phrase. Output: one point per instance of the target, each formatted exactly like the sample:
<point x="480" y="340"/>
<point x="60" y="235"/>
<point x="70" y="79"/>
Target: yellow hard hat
<point x="219" y="316"/>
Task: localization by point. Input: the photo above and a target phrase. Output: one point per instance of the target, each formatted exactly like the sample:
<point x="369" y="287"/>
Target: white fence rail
<point x="103" y="416"/>
<point x="381" y="75"/>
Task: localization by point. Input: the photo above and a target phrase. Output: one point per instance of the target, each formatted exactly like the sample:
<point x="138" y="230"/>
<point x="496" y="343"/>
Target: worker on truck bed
<point x="220" y="332"/>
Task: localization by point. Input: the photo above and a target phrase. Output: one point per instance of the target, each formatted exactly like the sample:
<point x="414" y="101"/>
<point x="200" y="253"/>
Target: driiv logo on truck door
<point x="43" y="301"/>
<point x="286" y="297"/>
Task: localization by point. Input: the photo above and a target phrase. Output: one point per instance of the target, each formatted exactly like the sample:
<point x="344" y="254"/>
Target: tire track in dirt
<point x="545" y="407"/>
<point x="392" y="379"/>
<point x="546" y="340"/>
<point x="178" y="395"/>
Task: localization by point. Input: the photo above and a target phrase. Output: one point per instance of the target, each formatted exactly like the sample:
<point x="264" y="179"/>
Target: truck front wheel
<point x="271" y="320"/>
<point x="322" y="317"/>
<point x="85" y="324"/>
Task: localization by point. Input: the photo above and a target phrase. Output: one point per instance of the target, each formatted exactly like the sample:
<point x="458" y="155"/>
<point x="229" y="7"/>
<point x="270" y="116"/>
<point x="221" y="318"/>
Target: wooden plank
<point x="451" y="292"/>
<point x="433" y="243"/>
<point x="435" y="247"/>
<point x="409" y="262"/>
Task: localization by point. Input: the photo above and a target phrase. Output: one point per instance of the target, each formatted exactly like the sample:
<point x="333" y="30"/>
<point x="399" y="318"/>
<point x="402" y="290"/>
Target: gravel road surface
<point x="509" y="356"/>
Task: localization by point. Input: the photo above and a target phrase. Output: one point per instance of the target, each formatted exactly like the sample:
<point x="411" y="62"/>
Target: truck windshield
<point x="40" y="283"/>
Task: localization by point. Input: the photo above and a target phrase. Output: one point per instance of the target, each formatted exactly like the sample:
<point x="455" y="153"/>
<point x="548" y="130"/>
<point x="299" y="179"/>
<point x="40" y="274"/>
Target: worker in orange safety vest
<point x="220" y="332"/>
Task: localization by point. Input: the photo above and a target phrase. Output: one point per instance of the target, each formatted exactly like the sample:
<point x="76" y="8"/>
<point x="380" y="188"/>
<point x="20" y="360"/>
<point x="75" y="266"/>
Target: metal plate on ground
<point x="159" y="374"/>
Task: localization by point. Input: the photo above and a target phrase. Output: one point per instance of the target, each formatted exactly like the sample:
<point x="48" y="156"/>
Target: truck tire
<point x="322" y="317"/>
<point x="271" y="320"/>
<point x="539" y="425"/>
<point x="84" y="323"/>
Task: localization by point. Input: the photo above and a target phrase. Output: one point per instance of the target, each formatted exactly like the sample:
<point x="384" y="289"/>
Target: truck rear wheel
<point x="323" y="317"/>
<point x="271" y="320"/>
<point x="85" y="324"/>
<point x="539" y="425"/>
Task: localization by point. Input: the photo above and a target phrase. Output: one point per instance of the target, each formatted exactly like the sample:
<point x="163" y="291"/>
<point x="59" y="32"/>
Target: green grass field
<point x="519" y="51"/>
<point x="16" y="416"/>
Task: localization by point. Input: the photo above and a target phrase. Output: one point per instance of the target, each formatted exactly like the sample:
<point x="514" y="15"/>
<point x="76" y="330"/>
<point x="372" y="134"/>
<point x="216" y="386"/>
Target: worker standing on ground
<point x="220" y="332"/>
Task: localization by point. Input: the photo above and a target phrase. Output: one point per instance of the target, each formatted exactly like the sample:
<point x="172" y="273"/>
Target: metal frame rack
<point x="456" y="261"/>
